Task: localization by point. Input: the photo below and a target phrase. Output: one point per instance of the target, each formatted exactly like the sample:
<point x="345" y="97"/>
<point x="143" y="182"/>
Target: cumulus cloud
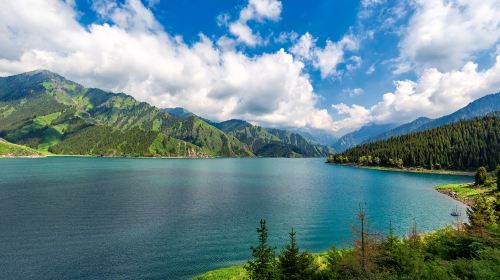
<point x="326" y="59"/>
<point x="256" y="10"/>
<point x="131" y="53"/>
<point x="444" y="34"/>
<point x="433" y="95"/>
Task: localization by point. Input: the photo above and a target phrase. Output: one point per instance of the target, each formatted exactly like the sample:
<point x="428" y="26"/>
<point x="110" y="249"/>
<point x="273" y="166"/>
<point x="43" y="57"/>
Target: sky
<point x="324" y="65"/>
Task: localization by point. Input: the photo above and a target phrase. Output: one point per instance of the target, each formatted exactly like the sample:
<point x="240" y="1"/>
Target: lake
<point x="118" y="218"/>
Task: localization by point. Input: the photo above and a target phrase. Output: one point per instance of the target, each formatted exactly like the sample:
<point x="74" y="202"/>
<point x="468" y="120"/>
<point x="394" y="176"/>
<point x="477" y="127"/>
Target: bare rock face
<point x="2" y="140"/>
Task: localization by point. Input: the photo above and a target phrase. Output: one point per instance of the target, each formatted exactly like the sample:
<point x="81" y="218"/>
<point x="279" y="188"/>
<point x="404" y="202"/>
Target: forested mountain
<point x="480" y="107"/>
<point x="272" y="142"/>
<point x="466" y="145"/>
<point x="45" y="111"/>
<point x="359" y="136"/>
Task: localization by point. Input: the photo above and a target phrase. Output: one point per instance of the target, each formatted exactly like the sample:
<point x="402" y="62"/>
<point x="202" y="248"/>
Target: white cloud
<point x="304" y="47"/>
<point x="367" y="3"/>
<point x="353" y="91"/>
<point x="444" y="34"/>
<point x="356" y="117"/>
<point x="433" y="95"/>
<point x="328" y="58"/>
<point x="257" y="10"/>
<point x="132" y="54"/>
<point x="370" y="69"/>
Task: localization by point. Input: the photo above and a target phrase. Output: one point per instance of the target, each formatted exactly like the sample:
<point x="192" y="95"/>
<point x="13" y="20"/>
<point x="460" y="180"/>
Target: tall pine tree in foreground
<point x="263" y="267"/>
<point x="295" y="265"/>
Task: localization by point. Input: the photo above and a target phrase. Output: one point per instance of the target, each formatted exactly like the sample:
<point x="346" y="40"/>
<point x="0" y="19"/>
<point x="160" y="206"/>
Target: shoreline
<point x="464" y="193"/>
<point x="151" y="157"/>
<point x="410" y="169"/>
<point x="467" y="201"/>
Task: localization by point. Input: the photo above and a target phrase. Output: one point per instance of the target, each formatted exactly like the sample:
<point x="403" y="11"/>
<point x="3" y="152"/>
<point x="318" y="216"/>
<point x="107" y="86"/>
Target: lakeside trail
<point x="410" y="169"/>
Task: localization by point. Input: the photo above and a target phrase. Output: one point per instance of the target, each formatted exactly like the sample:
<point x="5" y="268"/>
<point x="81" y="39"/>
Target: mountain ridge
<point x="45" y="111"/>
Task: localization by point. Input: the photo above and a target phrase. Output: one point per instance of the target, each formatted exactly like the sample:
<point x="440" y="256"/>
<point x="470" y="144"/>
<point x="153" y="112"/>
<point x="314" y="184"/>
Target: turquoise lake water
<point x="117" y="218"/>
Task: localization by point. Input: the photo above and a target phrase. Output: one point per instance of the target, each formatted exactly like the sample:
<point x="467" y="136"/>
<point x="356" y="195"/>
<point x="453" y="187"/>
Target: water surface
<point x="116" y="218"/>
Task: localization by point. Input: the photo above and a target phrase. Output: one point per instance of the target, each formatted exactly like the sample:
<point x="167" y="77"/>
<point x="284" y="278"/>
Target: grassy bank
<point x="238" y="272"/>
<point x="9" y="150"/>
<point x="464" y="193"/>
<point x="229" y="273"/>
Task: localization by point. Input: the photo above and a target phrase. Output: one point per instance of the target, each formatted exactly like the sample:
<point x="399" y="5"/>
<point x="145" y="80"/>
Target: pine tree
<point x="481" y="214"/>
<point x="263" y="267"/>
<point x="481" y="175"/>
<point x="289" y="259"/>
<point x="295" y="265"/>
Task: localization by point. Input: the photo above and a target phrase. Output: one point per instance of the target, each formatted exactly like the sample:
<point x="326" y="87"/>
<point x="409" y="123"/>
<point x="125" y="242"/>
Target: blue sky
<point x="331" y="66"/>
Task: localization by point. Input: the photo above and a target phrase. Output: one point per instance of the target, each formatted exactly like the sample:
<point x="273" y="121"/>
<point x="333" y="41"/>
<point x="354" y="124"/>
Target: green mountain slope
<point x="45" y="111"/>
<point x="465" y="144"/>
<point x="272" y="142"/>
<point x="12" y="150"/>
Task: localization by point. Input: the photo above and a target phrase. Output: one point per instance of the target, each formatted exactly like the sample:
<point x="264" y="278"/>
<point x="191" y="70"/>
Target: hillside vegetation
<point x="463" y="145"/>
<point x="12" y="150"/>
<point x="44" y="111"/>
<point x="268" y="142"/>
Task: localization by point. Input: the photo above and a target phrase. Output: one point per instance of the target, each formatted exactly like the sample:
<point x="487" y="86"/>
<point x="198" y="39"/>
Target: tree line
<point x="463" y="145"/>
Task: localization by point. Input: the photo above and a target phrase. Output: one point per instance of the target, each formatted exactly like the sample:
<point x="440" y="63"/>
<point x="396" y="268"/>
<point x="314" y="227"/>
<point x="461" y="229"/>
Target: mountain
<point x="318" y="136"/>
<point x="359" y="136"/>
<point x="178" y="112"/>
<point x="479" y="107"/>
<point x="12" y="150"/>
<point x="466" y="144"/>
<point x="272" y="142"/>
<point x="307" y="147"/>
<point x="401" y="130"/>
<point x="45" y="111"/>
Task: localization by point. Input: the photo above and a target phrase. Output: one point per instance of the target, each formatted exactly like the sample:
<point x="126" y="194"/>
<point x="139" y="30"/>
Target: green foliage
<point x="498" y="178"/>
<point x="12" y="150"/>
<point x="481" y="175"/>
<point x="227" y="273"/>
<point x="108" y="141"/>
<point x="482" y="212"/>
<point x="293" y="264"/>
<point x="47" y="112"/>
<point x="263" y="267"/>
<point x="272" y="142"/>
<point x="462" y="145"/>
<point x="463" y="191"/>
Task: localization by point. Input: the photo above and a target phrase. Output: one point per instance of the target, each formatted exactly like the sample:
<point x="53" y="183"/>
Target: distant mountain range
<point x="359" y="136"/>
<point x="45" y="111"/>
<point x="370" y="133"/>
<point x="265" y="142"/>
